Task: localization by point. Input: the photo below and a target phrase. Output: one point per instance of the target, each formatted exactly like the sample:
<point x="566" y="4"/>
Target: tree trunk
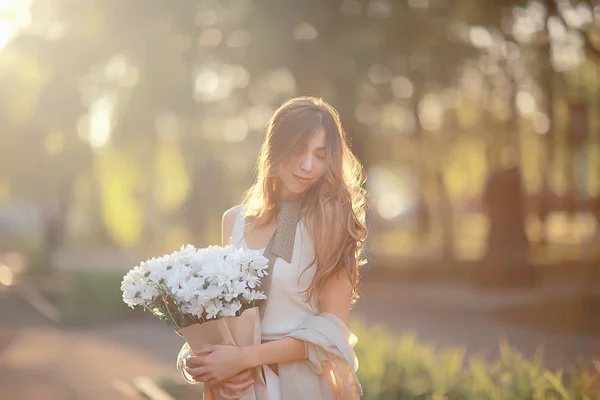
<point x="55" y="222"/>
<point x="423" y="212"/>
<point x="507" y="243"/>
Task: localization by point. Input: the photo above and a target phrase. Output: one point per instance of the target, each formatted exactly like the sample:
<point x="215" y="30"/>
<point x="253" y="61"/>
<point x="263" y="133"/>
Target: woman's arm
<point x="217" y="363"/>
<point x="334" y="298"/>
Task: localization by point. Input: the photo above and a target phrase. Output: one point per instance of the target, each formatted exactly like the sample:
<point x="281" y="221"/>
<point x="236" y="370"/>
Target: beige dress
<point x="328" y="372"/>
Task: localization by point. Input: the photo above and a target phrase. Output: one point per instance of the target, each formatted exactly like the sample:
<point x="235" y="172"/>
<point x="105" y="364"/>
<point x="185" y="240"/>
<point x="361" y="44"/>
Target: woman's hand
<point x="236" y="386"/>
<point x="216" y="364"/>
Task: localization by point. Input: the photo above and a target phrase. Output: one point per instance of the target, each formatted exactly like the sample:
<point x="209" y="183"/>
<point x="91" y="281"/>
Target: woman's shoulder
<point x="231" y="214"/>
<point x="228" y="223"/>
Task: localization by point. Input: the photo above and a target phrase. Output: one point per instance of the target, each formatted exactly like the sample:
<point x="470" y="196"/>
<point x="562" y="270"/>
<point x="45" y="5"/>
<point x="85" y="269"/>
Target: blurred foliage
<point x="93" y="297"/>
<point x="402" y="368"/>
<point x="390" y="367"/>
<point x="136" y="124"/>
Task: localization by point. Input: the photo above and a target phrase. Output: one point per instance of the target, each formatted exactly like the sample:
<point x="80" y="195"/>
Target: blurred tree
<point x="175" y="96"/>
<point x="43" y="124"/>
<point x="528" y="30"/>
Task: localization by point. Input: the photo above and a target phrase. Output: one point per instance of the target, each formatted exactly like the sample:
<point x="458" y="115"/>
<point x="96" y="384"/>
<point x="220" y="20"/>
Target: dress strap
<point x="238" y="227"/>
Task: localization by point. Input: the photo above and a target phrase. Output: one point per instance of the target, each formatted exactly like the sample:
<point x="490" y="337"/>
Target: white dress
<point x="286" y="308"/>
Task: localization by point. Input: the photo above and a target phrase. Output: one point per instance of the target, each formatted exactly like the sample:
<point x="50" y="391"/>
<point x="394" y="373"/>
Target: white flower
<point x="133" y="286"/>
<point x="213" y="309"/>
<point x="221" y="251"/>
<point x="253" y="295"/>
<point x="239" y="287"/>
<point x="137" y="273"/>
<point x="187" y="250"/>
<point x="131" y="294"/>
<point x="196" y="283"/>
<point x="230" y="309"/>
<point x="148" y="291"/>
<point x="221" y="280"/>
<point x="189" y="289"/>
<point x="177" y="274"/>
<point x="209" y="294"/>
<point x="252" y="280"/>
<point x="194" y="307"/>
<point x="206" y="283"/>
<point x="209" y="263"/>
<point x="184" y="292"/>
<point x="158" y="270"/>
<point x="250" y="259"/>
<point x="185" y="254"/>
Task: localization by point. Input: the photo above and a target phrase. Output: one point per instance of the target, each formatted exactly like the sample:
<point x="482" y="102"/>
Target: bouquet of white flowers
<point x="196" y="285"/>
<point x="207" y="295"/>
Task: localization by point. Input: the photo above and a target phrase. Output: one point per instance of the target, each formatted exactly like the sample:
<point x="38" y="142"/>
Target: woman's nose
<point x="307" y="163"/>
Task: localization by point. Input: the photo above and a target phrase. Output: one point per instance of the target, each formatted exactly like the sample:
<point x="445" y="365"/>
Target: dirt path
<point x="41" y="360"/>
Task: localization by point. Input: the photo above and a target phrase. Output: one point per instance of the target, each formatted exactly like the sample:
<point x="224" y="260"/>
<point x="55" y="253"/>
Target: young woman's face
<point x="305" y="165"/>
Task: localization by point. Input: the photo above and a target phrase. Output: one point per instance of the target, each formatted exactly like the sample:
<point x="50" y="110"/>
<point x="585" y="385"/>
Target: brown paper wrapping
<point x="243" y="330"/>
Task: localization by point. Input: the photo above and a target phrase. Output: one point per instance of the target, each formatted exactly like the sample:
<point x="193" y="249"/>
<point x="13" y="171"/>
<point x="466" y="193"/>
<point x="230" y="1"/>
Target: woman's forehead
<point x="317" y="139"/>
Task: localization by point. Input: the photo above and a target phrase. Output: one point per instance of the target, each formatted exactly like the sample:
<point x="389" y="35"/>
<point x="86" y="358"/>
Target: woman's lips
<point x="302" y="179"/>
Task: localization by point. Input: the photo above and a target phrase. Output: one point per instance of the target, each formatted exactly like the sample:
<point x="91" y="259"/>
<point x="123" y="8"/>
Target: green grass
<point x="402" y="368"/>
<point x="390" y="367"/>
<point x="94" y="296"/>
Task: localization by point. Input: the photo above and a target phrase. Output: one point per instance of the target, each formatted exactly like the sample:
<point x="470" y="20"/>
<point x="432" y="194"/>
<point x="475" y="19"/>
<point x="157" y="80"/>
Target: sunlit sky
<point x="14" y="15"/>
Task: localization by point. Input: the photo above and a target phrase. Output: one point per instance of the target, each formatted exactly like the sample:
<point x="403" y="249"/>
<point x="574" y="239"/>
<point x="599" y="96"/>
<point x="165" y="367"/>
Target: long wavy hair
<point x="334" y="208"/>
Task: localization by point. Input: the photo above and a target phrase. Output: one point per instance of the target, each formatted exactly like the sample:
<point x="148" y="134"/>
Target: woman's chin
<point x="294" y="191"/>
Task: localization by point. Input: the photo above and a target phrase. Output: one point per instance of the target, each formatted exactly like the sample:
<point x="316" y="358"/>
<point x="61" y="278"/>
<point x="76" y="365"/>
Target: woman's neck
<point x="285" y="196"/>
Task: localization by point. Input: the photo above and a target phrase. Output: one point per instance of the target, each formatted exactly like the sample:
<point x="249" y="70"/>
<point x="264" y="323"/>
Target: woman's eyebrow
<point x="305" y="146"/>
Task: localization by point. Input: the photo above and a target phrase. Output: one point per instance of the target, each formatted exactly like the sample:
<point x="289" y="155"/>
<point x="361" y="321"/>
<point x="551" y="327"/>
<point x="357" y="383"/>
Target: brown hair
<point x="334" y="207"/>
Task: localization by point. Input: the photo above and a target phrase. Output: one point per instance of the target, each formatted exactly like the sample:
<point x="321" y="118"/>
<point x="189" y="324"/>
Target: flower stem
<point x="169" y="311"/>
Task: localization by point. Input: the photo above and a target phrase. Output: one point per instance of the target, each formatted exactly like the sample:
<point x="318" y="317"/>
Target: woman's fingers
<point x="203" y="370"/>
<point x="203" y="352"/>
<point x="194" y="361"/>
<point x="238" y="388"/>
<point x="241" y="377"/>
<point x="226" y="395"/>
<point x="200" y="374"/>
<point x="232" y="391"/>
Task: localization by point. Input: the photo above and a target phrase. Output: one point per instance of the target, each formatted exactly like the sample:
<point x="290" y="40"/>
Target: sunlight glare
<point x="5" y="33"/>
<point x="523" y="27"/>
<point x="6" y="275"/>
<point x="367" y="113"/>
<point x="397" y="119"/>
<point x="480" y="37"/>
<point x="236" y="130"/>
<point x="305" y="31"/>
<point x="431" y="112"/>
<point x="402" y="87"/>
<point x="100" y="121"/>
<point x="258" y="117"/>
<point x="379" y="8"/>
<point x="6" y="3"/>
<point x="207" y="82"/>
<point x="526" y="102"/>
<point x="391" y="205"/>
<point x="579" y="16"/>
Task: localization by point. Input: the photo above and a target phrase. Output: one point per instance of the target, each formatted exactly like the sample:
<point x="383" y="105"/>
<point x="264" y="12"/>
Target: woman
<point x="309" y="182"/>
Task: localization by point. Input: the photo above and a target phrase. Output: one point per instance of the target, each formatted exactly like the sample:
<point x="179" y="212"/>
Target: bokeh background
<point x="127" y="127"/>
